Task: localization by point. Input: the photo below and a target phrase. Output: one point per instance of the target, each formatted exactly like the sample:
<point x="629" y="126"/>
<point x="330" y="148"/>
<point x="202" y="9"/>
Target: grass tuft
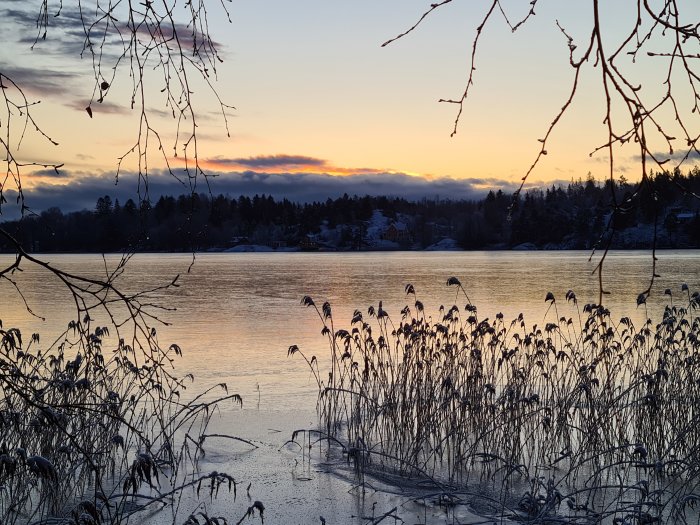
<point x="583" y="419"/>
<point x="93" y="437"/>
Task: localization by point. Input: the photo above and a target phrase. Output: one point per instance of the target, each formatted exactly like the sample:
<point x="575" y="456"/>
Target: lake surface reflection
<point x="237" y="314"/>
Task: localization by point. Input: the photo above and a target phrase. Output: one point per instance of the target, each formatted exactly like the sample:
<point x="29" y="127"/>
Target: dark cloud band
<point x="267" y="161"/>
<point x="83" y="192"/>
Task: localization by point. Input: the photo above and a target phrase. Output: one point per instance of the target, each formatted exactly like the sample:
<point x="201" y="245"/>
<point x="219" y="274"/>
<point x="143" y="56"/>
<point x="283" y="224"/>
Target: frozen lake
<point x="235" y="315"/>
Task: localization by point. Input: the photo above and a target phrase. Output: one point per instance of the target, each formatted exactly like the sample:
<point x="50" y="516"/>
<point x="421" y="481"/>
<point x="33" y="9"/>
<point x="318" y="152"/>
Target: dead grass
<point x="583" y="419"/>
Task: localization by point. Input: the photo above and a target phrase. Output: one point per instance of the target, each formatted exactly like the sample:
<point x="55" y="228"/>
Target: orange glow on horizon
<point x="314" y="168"/>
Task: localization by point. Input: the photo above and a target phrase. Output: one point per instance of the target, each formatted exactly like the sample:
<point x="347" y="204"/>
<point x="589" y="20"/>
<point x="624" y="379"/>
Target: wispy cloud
<point x="67" y="31"/>
<point x="47" y="82"/>
<point x="19" y="15"/>
<point x="274" y="161"/>
<point x="101" y="107"/>
<point x="623" y="164"/>
<point x="70" y="31"/>
<point x="284" y="163"/>
<point x="689" y="155"/>
<point x="188" y="38"/>
<point x="49" y="174"/>
<point x="64" y="33"/>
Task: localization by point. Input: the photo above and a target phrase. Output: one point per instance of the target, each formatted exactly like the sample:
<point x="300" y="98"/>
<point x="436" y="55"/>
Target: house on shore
<point x="398" y="232"/>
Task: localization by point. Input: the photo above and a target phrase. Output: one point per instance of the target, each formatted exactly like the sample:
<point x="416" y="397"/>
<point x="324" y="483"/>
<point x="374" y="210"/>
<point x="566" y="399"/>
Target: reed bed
<point x="91" y="437"/>
<point x="581" y="420"/>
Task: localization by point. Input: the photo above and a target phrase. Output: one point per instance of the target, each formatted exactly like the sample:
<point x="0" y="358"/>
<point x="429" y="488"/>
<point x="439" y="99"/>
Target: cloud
<point x="306" y="187"/>
<point x="83" y="190"/>
<point x="67" y="29"/>
<point x="189" y="36"/>
<point x="55" y="32"/>
<point x="262" y="162"/>
<point x="46" y="82"/>
<point x="283" y="163"/>
<point x="299" y="178"/>
<point x="23" y="17"/>
<point x="50" y="173"/>
<point x="689" y="156"/>
<point x="60" y="35"/>
<point x="101" y="107"/>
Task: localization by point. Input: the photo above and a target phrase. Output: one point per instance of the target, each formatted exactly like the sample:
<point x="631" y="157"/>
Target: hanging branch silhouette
<point x="633" y="114"/>
<point x="89" y="432"/>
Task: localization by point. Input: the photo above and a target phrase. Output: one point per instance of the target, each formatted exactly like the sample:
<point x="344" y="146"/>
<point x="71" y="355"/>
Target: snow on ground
<point x="376" y="227"/>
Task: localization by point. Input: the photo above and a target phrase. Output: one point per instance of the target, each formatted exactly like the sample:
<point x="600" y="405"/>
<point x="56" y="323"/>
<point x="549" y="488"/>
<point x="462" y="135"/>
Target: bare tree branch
<point x="633" y="113"/>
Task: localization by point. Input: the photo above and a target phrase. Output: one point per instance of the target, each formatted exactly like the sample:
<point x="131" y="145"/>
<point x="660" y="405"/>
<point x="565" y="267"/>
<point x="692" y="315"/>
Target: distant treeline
<point x="575" y="216"/>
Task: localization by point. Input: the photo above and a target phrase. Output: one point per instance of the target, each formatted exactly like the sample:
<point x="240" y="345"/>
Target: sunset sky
<point x="321" y="108"/>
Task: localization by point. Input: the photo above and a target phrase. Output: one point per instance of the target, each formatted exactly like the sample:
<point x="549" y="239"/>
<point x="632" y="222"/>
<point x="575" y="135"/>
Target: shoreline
<point x="268" y="250"/>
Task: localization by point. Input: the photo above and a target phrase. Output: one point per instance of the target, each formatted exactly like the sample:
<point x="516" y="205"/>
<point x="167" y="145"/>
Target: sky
<point x="319" y="108"/>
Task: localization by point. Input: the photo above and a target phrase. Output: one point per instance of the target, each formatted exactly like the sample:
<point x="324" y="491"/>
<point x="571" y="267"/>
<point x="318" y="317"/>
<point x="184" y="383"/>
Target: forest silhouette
<point x="579" y="215"/>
